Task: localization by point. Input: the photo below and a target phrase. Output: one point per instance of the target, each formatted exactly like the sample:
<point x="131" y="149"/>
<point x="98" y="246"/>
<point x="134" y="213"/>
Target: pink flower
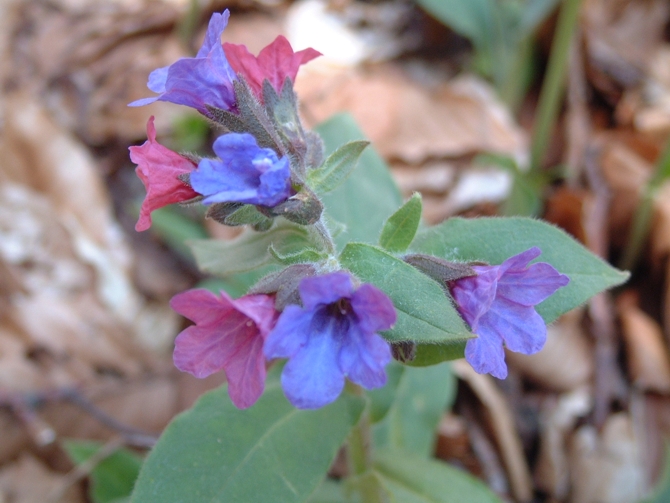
<point x="275" y="62"/>
<point x="159" y="168"/>
<point x="228" y="335"/>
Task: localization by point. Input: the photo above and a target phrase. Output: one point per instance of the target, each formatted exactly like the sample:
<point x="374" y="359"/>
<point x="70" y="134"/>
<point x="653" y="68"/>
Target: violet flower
<point x="206" y="79"/>
<point x="159" y="168"/>
<point x="228" y="335"/>
<point x="245" y="173"/>
<point x="331" y="337"/>
<point x="275" y="62"/>
<point x="498" y="305"/>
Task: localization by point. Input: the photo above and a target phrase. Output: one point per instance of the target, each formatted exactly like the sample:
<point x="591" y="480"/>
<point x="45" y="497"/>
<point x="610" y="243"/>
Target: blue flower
<point x="331" y="337"/>
<point x="245" y="173"/>
<point x="498" y="304"/>
<point x="206" y="79"/>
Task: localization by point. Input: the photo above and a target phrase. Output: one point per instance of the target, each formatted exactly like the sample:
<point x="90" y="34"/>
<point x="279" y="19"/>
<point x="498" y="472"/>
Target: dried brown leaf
<point x="566" y="361"/>
<point x="606" y="467"/>
<point x="29" y="481"/>
<point x="411" y="121"/>
<point x="647" y="354"/>
<point x="505" y="432"/>
<point x="558" y="417"/>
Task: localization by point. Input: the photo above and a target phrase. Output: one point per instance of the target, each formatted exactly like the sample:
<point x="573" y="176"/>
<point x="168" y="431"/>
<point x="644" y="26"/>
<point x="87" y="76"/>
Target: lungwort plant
<point x="353" y="307"/>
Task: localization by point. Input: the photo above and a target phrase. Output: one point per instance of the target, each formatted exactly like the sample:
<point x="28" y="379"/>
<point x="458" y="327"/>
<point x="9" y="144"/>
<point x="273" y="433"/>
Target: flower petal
<point x="204" y="350"/>
<point x="159" y="169"/>
<point x="486" y="355"/>
<point x="520" y="261"/>
<point x="201" y="306"/>
<point x="217" y="23"/>
<point x="531" y="286"/>
<point x="229" y="336"/>
<point x="326" y="289"/>
<point x="289" y="334"/>
<point x="373" y="308"/>
<point x="364" y="356"/>
<point x="522" y="329"/>
<point x="475" y="294"/>
<point x="275" y="62"/>
<point x="312" y="377"/>
<point x="197" y="82"/>
<point x="238" y="175"/>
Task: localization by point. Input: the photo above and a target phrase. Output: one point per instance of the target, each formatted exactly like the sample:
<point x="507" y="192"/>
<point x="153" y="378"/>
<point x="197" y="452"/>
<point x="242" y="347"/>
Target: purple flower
<point x="331" y="337"/>
<point x="228" y="335"/>
<point x="498" y="305"/>
<point x="246" y="173"/>
<point x="206" y="79"/>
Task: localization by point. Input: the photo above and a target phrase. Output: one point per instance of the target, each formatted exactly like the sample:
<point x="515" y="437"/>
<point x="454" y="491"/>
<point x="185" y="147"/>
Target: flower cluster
<point x="245" y="172"/>
<point x="325" y="324"/>
<point x="332" y="336"/>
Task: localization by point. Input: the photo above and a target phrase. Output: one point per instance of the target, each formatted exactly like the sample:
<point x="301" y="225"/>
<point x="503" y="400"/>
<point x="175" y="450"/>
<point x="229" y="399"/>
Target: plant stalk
<point x="359" y="456"/>
<point x="644" y="212"/>
<point x="554" y="82"/>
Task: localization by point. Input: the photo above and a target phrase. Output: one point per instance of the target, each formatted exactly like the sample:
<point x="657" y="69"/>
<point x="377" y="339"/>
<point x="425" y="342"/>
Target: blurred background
<point x="559" y="110"/>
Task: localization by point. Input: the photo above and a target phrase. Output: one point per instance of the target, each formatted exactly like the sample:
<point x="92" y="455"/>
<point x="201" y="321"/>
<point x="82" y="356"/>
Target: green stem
<point x="642" y="219"/>
<point x="359" y="456"/>
<point x="554" y="81"/>
<point x="325" y="237"/>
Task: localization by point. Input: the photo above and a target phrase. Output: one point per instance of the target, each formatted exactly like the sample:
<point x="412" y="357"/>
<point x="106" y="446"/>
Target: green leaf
<point x="494" y="240"/>
<point x="400" y="229"/>
<point x="367" y="198"/>
<point x="430" y="354"/>
<point x="236" y="285"/>
<point x="534" y="13"/>
<point x="328" y="492"/>
<point x="247" y="214"/>
<point x="250" y="250"/>
<point x="299" y="257"/>
<point x="472" y="19"/>
<point x="271" y="452"/>
<point x="189" y="133"/>
<point x="408" y="478"/>
<point x="422" y="396"/>
<point x="175" y="228"/>
<point x="337" y="167"/>
<point x="381" y="399"/>
<point x="424" y="312"/>
<point x="113" y="478"/>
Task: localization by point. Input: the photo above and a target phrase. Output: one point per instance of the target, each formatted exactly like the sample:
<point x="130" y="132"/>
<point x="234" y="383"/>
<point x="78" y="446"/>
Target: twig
<point x="24" y="406"/>
<point x="131" y="435"/>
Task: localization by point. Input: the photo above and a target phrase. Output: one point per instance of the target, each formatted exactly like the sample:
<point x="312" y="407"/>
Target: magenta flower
<point x="275" y="62"/>
<point x="159" y="168"/>
<point x="332" y="337"/>
<point x="196" y="82"/>
<point x="228" y="335"/>
<point x="498" y="305"/>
